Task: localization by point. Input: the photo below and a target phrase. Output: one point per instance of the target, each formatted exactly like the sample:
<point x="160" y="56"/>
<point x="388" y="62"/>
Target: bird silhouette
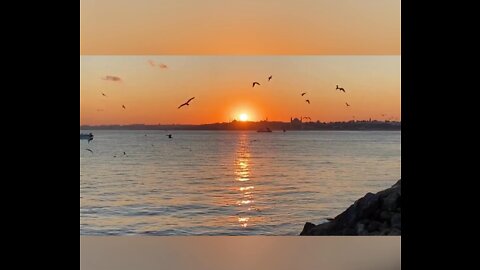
<point x="169" y="136"/>
<point x="270" y="77"/>
<point x="124" y="153"/>
<point x="103" y="94"/>
<point x="340" y="89"/>
<point x="348" y="105"/>
<point x="308" y="101"/>
<point x="303" y="94"/>
<point x="89" y="150"/>
<point x="186" y="103"/>
<point x="123" y="106"/>
<point x="253" y="85"/>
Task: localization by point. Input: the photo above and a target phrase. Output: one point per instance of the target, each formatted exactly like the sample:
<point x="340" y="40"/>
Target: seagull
<point x="186" y="103"/>
<point x="169" y="136"/>
<point x="253" y="85"/>
<point x="348" y="105"/>
<point x="89" y="150"/>
<point x="103" y="94"/>
<point x="303" y="94"/>
<point x="308" y="101"/>
<point x="269" y="78"/>
<point x="124" y="153"/>
<point x="123" y="106"/>
<point x="340" y="89"/>
<point x="90" y="139"/>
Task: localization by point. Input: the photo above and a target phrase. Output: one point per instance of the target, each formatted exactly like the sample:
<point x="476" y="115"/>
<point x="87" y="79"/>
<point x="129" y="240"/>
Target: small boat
<point x="88" y="137"/>
<point x="264" y="130"/>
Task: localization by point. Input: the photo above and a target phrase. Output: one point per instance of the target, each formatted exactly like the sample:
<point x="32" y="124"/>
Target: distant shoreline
<point x="275" y="126"/>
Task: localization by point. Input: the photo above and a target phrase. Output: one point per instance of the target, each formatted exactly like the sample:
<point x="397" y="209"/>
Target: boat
<point x="84" y="136"/>
<point x="264" y="130"/>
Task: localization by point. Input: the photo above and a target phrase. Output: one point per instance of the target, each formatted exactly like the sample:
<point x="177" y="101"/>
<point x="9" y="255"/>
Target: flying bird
<point x="123" y="106"/>
<point x="303" y="94"/>
<point x="124" y="153"/>
<point x="89" y="150"/>
<point x="308" y="101"/>
<point x="270" y="77"/>
<point x="348" y="105"/>
<point x="103" y="94"/>
<point x="169" y="136"/>
<point x="253" y="85"/>
<point x="340" y="89"/>
<point x="186" y="103"/>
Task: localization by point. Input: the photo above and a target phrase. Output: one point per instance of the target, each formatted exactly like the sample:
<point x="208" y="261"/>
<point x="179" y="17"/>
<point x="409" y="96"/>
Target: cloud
<point x="112" y="78"/>
<point x="153" y="64"/>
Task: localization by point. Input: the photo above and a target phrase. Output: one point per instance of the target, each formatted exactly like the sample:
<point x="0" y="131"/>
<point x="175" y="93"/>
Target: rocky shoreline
<point x="373" y="214"/>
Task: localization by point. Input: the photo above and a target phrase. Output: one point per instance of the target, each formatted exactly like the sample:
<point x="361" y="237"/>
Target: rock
<point x="385" y="215"/>
<point x="373" y="226"/>
<point x="392" y="201"/>
<point x="360" y="228"/>
<point x="396" y="221"/>
<point x="306" y="228"/>
<point x="373" y="214"/>
<point x="395" y="231"/>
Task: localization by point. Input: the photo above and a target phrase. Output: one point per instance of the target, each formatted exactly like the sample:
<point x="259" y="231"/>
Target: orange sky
<point x="222" y="87"/>
<point x="299" y="27"/>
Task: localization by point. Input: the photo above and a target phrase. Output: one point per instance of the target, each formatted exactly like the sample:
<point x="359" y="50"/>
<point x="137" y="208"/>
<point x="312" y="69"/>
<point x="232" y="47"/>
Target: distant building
<point x="296" y="123"/>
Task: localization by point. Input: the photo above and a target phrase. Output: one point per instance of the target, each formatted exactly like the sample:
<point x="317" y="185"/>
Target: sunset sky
<point x="260" y="27"/>
<point x="152" y="87"/>
<point x="153" y="55"/>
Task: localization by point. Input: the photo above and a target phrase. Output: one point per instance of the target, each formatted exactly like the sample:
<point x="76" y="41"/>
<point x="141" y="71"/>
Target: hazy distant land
<point x="295" y="124"/>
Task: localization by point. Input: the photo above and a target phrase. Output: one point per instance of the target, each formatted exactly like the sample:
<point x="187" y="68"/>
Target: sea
<point x="140" y="182"/>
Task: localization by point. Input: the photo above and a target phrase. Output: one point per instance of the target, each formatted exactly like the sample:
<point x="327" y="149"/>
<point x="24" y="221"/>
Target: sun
<point x="243" y="117"/>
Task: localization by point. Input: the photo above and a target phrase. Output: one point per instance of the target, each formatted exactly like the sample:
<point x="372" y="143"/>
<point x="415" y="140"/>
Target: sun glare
<point x="243" y="117"/>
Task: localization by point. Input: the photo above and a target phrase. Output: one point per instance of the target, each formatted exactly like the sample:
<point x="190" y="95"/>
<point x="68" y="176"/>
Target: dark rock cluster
<point x="373" y="214"/>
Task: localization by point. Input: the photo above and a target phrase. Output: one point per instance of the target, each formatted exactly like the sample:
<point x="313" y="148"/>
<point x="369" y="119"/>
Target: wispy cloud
<point x="112" y="78"/>
<point x="159" y="65"/>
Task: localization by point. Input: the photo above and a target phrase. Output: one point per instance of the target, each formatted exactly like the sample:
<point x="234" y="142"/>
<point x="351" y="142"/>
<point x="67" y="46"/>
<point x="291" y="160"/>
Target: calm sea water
<point x="228" y="182"/>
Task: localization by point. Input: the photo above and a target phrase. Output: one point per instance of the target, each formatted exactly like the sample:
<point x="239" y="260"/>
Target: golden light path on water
<point x="242" y="177"/>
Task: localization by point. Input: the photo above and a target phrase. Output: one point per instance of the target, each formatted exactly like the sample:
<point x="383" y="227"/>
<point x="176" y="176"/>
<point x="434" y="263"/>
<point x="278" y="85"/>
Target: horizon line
<point x="237" y="121"/>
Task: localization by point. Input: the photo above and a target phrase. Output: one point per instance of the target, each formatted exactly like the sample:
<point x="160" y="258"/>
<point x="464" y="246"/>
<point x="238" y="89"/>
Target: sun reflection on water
<point x="243" y="179"/>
